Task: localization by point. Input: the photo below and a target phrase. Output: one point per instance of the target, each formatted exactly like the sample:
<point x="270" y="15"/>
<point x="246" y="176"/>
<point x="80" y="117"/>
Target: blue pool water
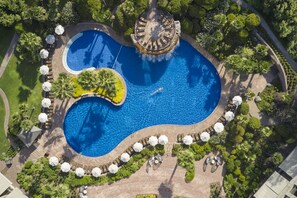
<point x="191" y="91"/>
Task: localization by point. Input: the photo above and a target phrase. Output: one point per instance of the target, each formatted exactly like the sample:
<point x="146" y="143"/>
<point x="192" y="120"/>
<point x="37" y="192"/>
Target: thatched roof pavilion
<point x="156" y="32"/>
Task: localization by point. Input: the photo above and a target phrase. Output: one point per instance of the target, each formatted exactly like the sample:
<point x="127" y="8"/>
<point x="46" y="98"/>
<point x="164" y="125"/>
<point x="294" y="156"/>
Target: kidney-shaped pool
<point x="189" y="90"/>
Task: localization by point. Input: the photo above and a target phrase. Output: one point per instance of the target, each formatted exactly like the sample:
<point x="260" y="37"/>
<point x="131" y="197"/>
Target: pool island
<point x="116" y="97"/>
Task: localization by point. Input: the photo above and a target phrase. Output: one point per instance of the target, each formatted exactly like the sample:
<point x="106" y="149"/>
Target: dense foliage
<point x="186" y="156"/>
<point x="40" y="179"/>
<point x="22" y="119"/>
<point x="282" y="14"/>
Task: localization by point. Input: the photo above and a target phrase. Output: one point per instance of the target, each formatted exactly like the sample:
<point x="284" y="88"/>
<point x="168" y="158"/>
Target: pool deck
<point x="59" y="146"/>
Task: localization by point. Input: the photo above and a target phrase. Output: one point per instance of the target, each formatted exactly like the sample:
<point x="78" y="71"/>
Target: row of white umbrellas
<point x="138" y="147"/>
<point x="218" y="127"/>
<point x="50" y="39"/>
<point x="80" y="172"/>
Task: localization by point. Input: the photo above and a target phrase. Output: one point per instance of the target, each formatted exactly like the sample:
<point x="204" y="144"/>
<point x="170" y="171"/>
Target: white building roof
<point x="272" y="187"/>
<point x="16" y="193"/>
<point x="4" y="183"/>
<point x="289" y="165"/>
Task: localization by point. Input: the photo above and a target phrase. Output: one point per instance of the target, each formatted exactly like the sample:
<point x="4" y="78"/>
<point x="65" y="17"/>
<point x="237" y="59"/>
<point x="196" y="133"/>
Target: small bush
<point x="28" y="164"/>
<point x="147" y="196"/>
<point x="187" y="26"/>
<point x="254" y="123"/>
<point x="238" y="139"/>
<point x="244" y="108"/>
<point x="190" y="174"/>
<point x="176" y="149"/>
<point x="19" y="29"/>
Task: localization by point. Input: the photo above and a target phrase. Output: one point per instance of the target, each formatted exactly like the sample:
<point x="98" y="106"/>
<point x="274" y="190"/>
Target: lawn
<point x="6" y="35"/>
<point x="21" y="83"/>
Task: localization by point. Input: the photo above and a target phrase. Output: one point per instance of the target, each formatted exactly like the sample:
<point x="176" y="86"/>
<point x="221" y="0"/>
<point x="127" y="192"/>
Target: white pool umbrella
<point x="53" y="161"/>
<point x="113" y="168"/>
<point x="59" y="30"/>
<point x="46" y="86"/>
<point x="44" y="70"/>
<point x="125" y="157"/>
<point x="137" y="147"/>
<point x="50" y="39"/>
<point x="46" y="102"/>
<point x="153" y="140"/>
<point x="163" y="139"/>
<point x="237" y="100"/>
<point x="42" y="117"/>
<point x="229" y="115"/>
<point x="43" y="53"/>
<point x="65" y="167"/>
<point x="218" y="127"/>
<point x="80" y="172"/>
<point x="204" y="136"/>
<point x="96" y="172"/>
<point x="187" y="140"/>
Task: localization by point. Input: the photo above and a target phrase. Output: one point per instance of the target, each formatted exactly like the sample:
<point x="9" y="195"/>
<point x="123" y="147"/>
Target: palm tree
<point x="107" y="81"/>
<point x="63" y="87"/>
<point x="87" y="79"/>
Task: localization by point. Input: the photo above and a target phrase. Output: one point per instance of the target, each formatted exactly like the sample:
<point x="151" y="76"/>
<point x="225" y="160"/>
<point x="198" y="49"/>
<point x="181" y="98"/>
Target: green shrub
<point x="238" y="139"/>
<point x="244" y="108"/>
<point x="159" y="149"/>
<point x="19" y="28"/>
<point x="254" y="123"/>
<point x="28" y="164"/>
<point x="235" y="8"/>
<point x="285" y="131"/>
<point x="187" y="26"/>
<point x="190" y="174"/>
<point x="277" y="158"/>
<point x="197" y="12"/>
<point x="238" y="130"/>
<point x="147" y="196"/>
<point x="176" y="148"/>
<point x="267" y="103"/>
<point x="127" y="34"/>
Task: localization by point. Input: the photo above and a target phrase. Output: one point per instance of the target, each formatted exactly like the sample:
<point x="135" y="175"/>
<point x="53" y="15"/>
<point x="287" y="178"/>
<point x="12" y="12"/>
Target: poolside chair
<point x="118" y="162"/>
<point x="130" y="150"/>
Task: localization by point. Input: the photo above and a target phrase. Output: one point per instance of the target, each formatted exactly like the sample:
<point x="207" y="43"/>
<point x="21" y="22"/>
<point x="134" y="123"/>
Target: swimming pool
<point x="190" y="92"/>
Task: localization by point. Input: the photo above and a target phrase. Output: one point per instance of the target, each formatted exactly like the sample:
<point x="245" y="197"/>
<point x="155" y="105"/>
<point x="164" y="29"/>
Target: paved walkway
<point x="270" y="33"/>
<point x="167" y="181"/>
<point x="3" y="66"/>
<point x="9" y="53"/>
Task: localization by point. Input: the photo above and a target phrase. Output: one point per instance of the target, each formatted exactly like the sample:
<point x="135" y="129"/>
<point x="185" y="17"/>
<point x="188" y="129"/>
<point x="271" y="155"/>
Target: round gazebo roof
<point x="156" y="32"/>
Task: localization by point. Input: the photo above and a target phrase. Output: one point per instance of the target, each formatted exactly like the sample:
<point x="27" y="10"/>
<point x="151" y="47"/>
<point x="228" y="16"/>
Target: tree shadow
<point x="145" y="72"/>
<point x="28" y="74"/>
<point x="165" y="190"/>
<point x="24" y="94"/>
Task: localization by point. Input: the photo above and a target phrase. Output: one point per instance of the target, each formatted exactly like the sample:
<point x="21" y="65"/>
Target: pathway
<point x="3" y="66"/>
<point x="9" y="53"/>
<point x="270" y="33"/>
<point x="167" y="181"/>
<point x="7" y="110"/>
